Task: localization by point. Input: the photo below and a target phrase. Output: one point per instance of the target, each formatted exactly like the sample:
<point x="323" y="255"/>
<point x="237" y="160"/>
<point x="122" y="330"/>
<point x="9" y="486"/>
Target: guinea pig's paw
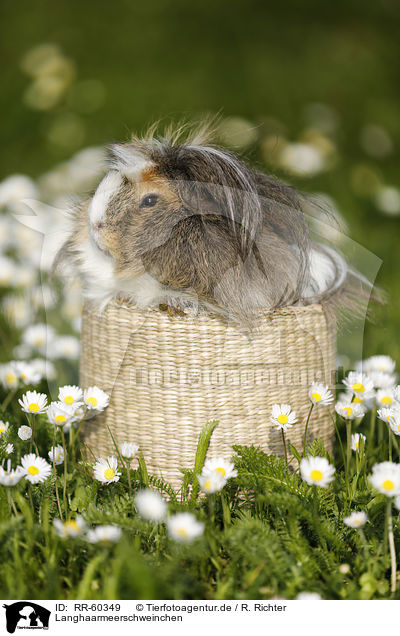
<point x="123" y="299"/>
<point x="178" y="307"/>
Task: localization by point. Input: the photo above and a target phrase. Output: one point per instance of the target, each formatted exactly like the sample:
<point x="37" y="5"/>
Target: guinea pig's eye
<point x="148" y="201"/>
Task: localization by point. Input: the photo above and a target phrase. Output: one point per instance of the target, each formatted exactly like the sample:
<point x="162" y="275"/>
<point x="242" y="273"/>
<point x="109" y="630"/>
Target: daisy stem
<point x="339" y="439"/>
<point x="284" y="446"/>
<point x="391" y="545"/>
<point x="365" y="548"/>
<point x="128" y="472"/>
<point x="31" y="424"/>
<point x="390" y="444"/>
<point x="372" y="424"/>
<point x="65" y="472"/>
<point x="306" y="428"/>
<point x="348" y="448"/>
<point x="8" y="399"/>
<point x="55" y="475"/>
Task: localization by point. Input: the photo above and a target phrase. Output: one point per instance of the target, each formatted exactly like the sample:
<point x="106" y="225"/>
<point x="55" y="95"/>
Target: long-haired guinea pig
<point x="179" y="222"/>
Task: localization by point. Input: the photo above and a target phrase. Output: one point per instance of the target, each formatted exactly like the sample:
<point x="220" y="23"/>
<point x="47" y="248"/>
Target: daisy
<point x="67" y="347"/>
<point x="356" y="438"/>
<point x="35" y="468"/>
<point x="3" y="427"/>
<point x="385" y="397"/>
<point x="184" y="527"/>
<point x="356" y="519"/>
<point x="386" y="478"/>
<point x="71" y="528"/>
<point x="60" y="414"/>
<point x="219" y="466"/>
<point x="33" y="402"/>
<point x="9" y="376"/>
<point x="106" y="470"/>
<point x="379" y="363"/>
<point x="44" y="367"/>
<point x="283" y="416"/>
<point x="104" y="533"/>
<point x="359" y="384"/>
<point x="27" y="373"/>
<point x="9" y="449"/>
<point x="128" y="450"/>
<point x="394" y="422"/>
<point x="320" y="394"/>
<point x="382" y="380"/>
<point x="351" y="398"/>
<point x="212" y="482"/>
<point x="25" y="433"/>
<point x="56" y="453"/>
<point x="70" y="395"/>
<point x="95" y="398"/>
<point x="10" y="477"/>
<point x="317" y="471"/>
<point x="150" y="505"/>
<point x="397" y="393"/>
<point x="38" y="336"/>
<point x="349" y="410"/>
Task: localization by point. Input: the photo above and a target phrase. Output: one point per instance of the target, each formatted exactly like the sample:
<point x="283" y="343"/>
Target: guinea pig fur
<point x="180" y="222"/>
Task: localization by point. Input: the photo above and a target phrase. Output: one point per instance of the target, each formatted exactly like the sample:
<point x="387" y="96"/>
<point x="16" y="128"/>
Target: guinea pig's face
<point x="128" y="215"/>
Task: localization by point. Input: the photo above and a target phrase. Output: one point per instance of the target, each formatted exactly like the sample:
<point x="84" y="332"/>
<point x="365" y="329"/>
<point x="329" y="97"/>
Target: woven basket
<point x="168" y="376"/>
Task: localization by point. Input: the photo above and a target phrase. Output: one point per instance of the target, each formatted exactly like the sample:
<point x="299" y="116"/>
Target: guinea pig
<point x="180" y="223"/>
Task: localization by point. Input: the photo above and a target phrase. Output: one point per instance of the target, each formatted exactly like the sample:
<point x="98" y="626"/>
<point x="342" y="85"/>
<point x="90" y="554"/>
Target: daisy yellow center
<point x="316" y="475"/>
<point x="2" y="430"/>
<point x="386" y="400"/>
<point x="357" y="445"/>
<point x="316" y="397"/>
<point x="24" y="376"/>
<point x="357" y="400"/>
<point x="207" y="485"/>
<point x="34" y="407"/>
<point x="92" y="400"/>
<point x="39" y="342"/>
<point x="10" y="377"/>
<point x="182" y="532"/>
<point x="282" y="419"/>
<point x="109" y="473"/>
<point x="358" y="387"/>
<point x="69" y="399"/>
<point x="388" y="484"/>
<point x="71" y="525"/>
<point x="398" y="428"/>
<point x="33" y="470"/>
<point x="60" y="419"/>
<point x="357" y="521"/>
<point x="348" y="410"/>
<point x="221" y="471"/>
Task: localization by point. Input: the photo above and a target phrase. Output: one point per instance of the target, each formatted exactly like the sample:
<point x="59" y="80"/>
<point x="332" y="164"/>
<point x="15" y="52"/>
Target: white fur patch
<point x="130" y="162"/>
<point x="107" y="188"/>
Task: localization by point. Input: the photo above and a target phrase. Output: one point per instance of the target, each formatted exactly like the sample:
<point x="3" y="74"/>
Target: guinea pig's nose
<point x="98" y="226"/>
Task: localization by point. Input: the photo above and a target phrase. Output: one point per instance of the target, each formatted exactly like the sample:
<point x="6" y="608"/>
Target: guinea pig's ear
<point x="129" y="160"/>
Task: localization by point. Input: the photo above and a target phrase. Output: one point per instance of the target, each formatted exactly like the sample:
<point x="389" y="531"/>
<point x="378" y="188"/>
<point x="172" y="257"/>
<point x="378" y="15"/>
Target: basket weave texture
<point x="168" y="376"/>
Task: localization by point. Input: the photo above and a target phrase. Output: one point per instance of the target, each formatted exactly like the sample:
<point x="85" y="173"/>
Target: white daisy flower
<point x="95" y="398"/>
<point x="382" y="380"/>
<point x="9" y="376"/>
<point x="128" y="450"/>
<point x="378" y="363"/>
<point x="350" y="398"/>
<point x="45" y="367"/>
<point x="38" y="337"/>
<point x="386" y="478"/>
<point x="70" y="394"/>
<point x="60" y="414"/>
<point x="308" y="596"/>
<point x="27" y="372"/>
<point x="33" y="402"/>
<point x="211" y="482"/>
<point x="35" y="468"/>
<point x="18" y="310"/>
<point x="106" y="470"/>
<point x="184" y="527"/>
<point x="397" y="393"/>
<point x="385" y="397"/>
<point x="10" y="477"/>
<point x="71" y="528"/>
<point x="4" y="426"/>
<point x="317" y="471"/>
<point x="25" y="432"/>
<point x="8" y="270"/>
<point x="9" y="449"/>
<point x="150" y="505"/>
<point x="349" y="410"/>
<point x="219" y="466"/>
<point x="67" y="347"/>
<point x="359" y="384"/>
<point x="104" y="533"/>
<point x="394" y="422"/>
<point x="56" y="453"/>
<point x="283" y="417"/>
<point x="320" y="394"/>
<point x="355" y="441"/>
<point x="356" y="519"/>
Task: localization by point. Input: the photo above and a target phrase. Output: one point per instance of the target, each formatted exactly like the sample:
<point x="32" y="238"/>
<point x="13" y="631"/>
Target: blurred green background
<point x="315" y="83"/>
